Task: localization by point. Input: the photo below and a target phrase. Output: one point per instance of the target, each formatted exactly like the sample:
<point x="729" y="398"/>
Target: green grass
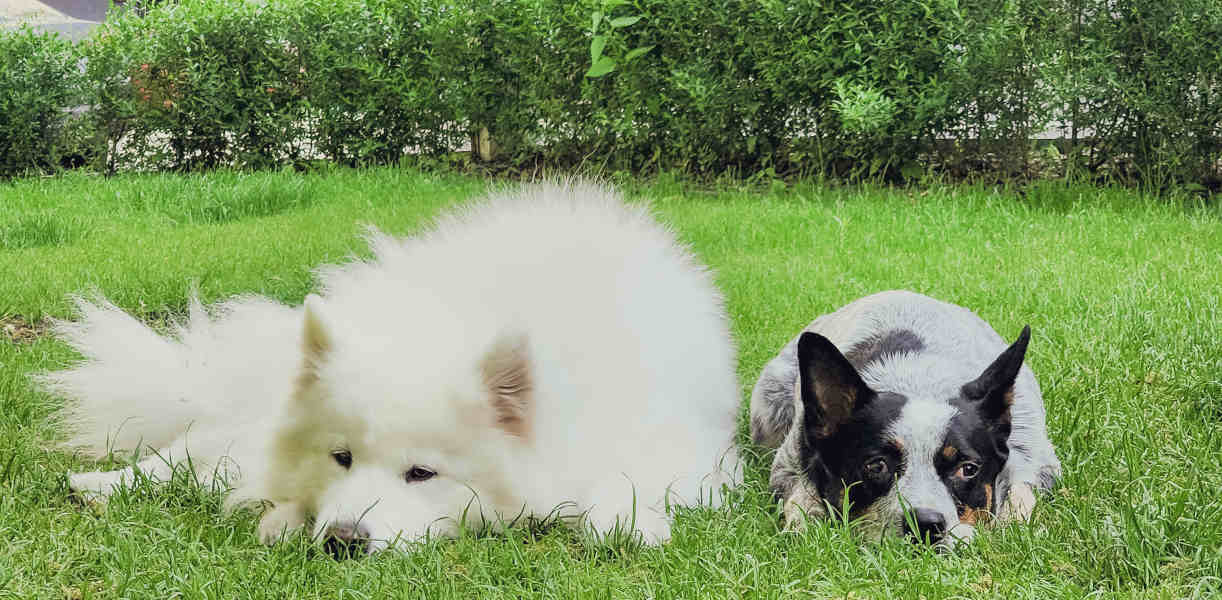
<point x="1122" y="293"/>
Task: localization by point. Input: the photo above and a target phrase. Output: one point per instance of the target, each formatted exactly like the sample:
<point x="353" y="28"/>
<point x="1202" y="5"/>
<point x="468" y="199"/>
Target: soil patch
<point x="19" y="330"/>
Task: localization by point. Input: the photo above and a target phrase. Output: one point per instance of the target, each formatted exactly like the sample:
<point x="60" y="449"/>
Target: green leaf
<point x="603" y="66"/>
<point x="596" y="48"/>
<point x="912" y="171"/>
<point x="635" y="52"/>
<point x="595" y="19"/>
<point x="623" y="21"/>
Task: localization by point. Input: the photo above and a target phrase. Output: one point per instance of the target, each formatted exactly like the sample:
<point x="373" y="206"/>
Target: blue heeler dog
<point x="914" y="408"/>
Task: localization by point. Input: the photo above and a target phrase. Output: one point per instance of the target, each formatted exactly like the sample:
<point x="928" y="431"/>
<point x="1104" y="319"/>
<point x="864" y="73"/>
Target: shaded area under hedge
<point x="773" y="87"/>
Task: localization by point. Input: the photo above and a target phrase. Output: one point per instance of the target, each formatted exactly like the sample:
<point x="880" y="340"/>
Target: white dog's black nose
<point x="930" y="524"/>
<point x="346" y="540"/>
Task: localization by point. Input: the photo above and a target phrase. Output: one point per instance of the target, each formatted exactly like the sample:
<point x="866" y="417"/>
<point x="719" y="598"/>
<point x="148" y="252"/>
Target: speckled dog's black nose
<point x="930" y="525"/>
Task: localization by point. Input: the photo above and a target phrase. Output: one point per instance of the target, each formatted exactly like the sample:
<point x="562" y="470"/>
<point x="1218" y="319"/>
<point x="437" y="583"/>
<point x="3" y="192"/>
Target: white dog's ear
<point x="315" y="336"/>
<point x="507" y="374"/>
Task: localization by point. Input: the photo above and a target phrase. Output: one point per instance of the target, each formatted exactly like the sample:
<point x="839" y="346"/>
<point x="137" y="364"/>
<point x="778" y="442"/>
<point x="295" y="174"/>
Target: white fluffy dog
<point x="549" y="351"/>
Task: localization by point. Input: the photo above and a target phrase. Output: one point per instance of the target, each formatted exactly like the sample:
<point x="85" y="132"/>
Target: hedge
<point x="751" y="87"/>
<point x="39" y="84"/>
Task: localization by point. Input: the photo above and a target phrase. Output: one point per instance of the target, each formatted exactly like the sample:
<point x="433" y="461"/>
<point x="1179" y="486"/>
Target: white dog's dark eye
<point x="415" y="474"/>
<point x="343" y="458"/>
<point x="876" y="467"/>
<point x="968" y="470"/>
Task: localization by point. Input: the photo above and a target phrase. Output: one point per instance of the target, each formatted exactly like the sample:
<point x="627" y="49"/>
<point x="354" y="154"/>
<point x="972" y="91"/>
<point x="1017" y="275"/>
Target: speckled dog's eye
<point x="876" y="467"/>
<point x="342" y="458"/>
<point x="967" y="470"/>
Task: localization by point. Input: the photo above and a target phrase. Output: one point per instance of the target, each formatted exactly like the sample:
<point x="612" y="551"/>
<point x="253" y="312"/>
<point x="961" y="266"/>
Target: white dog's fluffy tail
<point x="139" y="389"/>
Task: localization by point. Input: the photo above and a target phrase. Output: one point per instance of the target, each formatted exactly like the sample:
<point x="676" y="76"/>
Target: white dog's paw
<point x="94" y="488"/>
<point x="279" y="521"/>
<point x="653" y="527"/>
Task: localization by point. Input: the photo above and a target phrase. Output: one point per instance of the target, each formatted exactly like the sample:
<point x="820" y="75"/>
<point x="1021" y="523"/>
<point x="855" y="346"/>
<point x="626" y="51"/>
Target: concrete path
<point x="72" y="18"/>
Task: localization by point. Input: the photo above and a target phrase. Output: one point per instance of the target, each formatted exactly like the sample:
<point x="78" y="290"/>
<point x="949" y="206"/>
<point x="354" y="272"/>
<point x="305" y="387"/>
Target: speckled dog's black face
<point x="972" y="456"/>
<point x="847" y="447"/>
<point x="860" y="452"/>
<point x="923" y="467"/>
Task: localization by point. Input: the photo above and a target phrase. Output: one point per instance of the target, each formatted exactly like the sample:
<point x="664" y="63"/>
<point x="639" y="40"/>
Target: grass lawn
<point x="1122" y="294"/>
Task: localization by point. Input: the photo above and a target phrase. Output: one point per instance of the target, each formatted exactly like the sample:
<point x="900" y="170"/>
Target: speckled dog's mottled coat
<point x="928" y="422"/>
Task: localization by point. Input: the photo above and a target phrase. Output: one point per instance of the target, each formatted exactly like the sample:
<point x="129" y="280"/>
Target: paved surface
<point x="72" y="18"/>
<point x="85" y="10"/>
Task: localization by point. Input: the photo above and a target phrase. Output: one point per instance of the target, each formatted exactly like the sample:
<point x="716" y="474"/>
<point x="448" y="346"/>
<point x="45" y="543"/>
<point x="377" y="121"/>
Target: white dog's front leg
<point x="653" y="527"/>
<point x="96" y="487"/>
<point x="280" y="521"/>
<point x="620" y="505"/>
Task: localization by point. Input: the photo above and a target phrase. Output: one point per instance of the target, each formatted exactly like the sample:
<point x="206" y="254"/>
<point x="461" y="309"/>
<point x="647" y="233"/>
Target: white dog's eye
<point x="343" y="458"/>
<point x="968" y="470"/>
<point x="418" y="473"/>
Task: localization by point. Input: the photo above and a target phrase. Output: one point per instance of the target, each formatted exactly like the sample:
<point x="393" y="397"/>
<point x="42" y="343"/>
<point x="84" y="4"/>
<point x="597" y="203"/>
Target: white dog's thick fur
<point x="549" y="349"/>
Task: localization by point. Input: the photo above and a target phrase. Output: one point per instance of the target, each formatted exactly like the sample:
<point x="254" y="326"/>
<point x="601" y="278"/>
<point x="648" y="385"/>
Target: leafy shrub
<point x="369" y="73"/>
<point x="39" y="83"/>
<point x="998" y="84"/>
<point x="694" y="100"/>
<point x="199" y="84"/>
<point x="852" y="87"/>
<point x="1142" y="80"/>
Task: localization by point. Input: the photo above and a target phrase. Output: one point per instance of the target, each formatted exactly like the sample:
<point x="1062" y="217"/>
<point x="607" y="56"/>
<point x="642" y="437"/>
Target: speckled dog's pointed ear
<point x="994" y="389"/>
<point x="831" y="388"/>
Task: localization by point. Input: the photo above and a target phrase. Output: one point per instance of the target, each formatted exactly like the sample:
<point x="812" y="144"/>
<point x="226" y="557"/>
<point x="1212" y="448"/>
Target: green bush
<point x="706" y="87"/>
<point x="686" y="92"/>
<point x="997" y="85"/>
<point x="371" y="81"/>
<point x="856" y="88"/>
<point x="40" y="82"/>
<point x="199" y="84"/>
<point x="867" y="82"/>
<point x="1142" y="79"/>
